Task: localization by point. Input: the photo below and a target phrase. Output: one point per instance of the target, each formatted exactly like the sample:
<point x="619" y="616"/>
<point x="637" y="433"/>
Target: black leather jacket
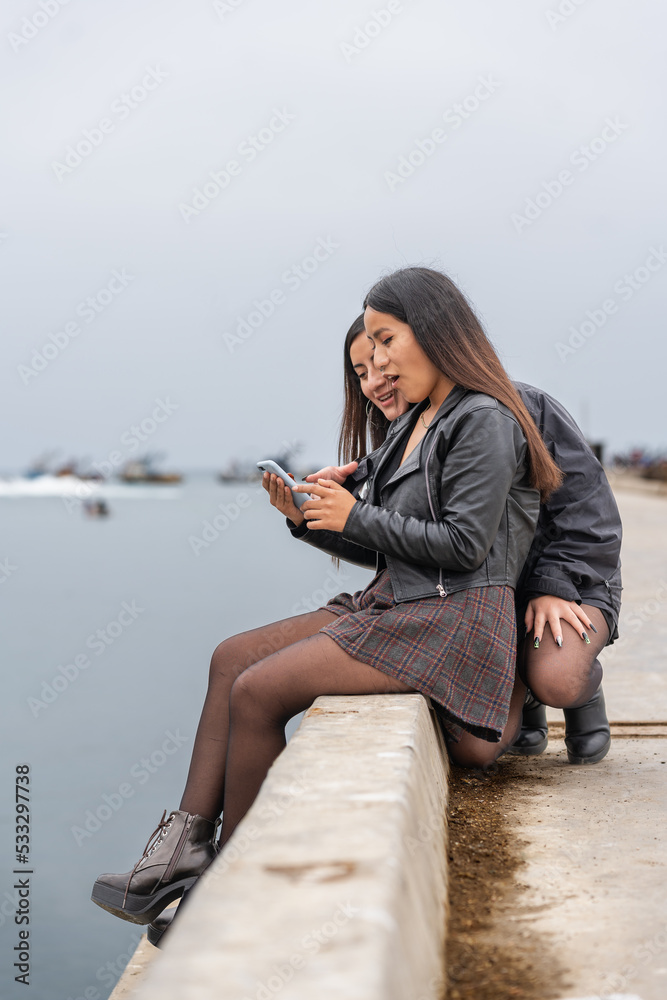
<point x="576" y="552"/>
<point x="459" y="513"/>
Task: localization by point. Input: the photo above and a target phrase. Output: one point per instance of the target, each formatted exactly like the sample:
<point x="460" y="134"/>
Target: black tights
<point x="567" y="677"/>
<point x="258" y="681"/>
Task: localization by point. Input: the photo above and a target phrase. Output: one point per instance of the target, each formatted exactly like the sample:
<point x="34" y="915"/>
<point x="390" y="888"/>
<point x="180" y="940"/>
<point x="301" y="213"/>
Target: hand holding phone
<point x="266" y="465"/>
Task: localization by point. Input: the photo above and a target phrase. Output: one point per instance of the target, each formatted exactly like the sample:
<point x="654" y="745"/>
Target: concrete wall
<point x="334" y="884"/>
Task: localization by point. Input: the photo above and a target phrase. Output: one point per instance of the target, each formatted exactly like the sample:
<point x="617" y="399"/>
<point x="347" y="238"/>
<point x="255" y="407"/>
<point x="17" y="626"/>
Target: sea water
<point x="108" y="625"/>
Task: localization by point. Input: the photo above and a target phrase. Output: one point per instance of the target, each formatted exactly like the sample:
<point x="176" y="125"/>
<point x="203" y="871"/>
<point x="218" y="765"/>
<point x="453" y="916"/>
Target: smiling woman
<point x="427" y="312"/>
<point x="569" y="590"/>
<point x="447" y="539"/>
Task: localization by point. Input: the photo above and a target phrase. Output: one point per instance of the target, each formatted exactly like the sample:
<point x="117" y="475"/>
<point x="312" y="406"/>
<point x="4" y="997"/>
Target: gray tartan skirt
<point x="458" y="650"/>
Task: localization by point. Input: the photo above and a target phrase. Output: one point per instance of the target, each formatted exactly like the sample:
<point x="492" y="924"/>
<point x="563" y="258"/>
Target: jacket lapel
<point x="414" y="458"/>
<point x="392" y="442"/>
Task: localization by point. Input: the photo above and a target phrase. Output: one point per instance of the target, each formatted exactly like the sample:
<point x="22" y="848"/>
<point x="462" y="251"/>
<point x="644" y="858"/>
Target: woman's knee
<point x="479" y="755"/>
<point x="250" y="698"/>
<point x="234" y="655"/>
<point x="561" y="685"/>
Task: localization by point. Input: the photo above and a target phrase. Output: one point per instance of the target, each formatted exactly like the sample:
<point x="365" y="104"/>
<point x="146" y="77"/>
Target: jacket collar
<point x="409" y="419"/>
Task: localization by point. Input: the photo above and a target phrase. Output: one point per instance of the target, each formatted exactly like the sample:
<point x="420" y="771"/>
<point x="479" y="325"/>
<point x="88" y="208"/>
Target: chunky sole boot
<point x="177" y="852"/>
<point x="587" y="731"/>
<point x="534" y="736"/>
<point x="159" y="927"/>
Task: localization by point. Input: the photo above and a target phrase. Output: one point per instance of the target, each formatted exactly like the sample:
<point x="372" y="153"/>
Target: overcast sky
<point x="531" y="148"/>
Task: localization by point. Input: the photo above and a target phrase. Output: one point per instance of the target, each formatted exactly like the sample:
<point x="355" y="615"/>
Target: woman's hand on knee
<point x="280" y="497"/>
<point x="548" y="610"/>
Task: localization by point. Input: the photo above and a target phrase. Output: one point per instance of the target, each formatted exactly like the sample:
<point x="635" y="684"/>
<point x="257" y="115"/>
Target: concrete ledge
<point x="135" y="971"/>
<point x="334" y="884"/>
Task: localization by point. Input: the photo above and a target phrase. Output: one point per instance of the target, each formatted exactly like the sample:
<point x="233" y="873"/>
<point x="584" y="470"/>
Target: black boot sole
<point x="529" y="751"/>
<point x="594" y="759"/>
<point x="155" y="935"/>
<point x="139" y="909"/>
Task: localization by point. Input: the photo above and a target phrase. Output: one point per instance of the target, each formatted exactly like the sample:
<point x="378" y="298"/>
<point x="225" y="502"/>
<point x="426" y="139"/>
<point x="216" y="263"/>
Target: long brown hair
<point x="453" y="339"/>
<point x="360" y="421"/>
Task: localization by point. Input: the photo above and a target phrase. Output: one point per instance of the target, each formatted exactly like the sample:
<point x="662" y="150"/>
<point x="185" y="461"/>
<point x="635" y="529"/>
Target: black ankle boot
<point x="587" y="732"/>
<point x="176" y="854"/>
<point x="157" y="928"/>
<point x="533" y="738"/>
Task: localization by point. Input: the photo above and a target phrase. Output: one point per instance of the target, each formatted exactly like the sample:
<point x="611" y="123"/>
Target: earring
<point x="369" y="407"/>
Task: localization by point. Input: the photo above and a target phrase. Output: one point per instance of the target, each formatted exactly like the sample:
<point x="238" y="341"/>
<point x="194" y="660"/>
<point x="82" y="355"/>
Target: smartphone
<point x="266" y="465"/>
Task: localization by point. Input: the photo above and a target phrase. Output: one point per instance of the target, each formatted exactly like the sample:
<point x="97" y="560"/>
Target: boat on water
<point x="142" y="470"/>
<point x="237" y="471"/>
<point x="82" y="480"/>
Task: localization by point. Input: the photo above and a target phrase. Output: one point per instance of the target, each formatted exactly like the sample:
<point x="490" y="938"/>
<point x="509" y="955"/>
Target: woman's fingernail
<point x="593" y="627"/>
<point x="525" y="633"/>
<point x="536" y="644"/>
<point x="585" y="638"/>
<point x="559" y="641"/>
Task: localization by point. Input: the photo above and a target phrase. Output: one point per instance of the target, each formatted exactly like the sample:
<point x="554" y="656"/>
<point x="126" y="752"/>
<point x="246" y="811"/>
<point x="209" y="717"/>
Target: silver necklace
<point x="421" y="415"/>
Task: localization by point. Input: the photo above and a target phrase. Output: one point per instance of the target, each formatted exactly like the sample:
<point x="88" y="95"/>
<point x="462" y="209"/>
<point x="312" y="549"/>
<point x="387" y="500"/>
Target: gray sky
<point x="154" y="96"/>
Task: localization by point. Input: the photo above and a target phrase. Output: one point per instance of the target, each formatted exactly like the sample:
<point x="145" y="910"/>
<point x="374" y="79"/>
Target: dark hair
<point x="452" y="338"/>
<point x="358" y="424"/>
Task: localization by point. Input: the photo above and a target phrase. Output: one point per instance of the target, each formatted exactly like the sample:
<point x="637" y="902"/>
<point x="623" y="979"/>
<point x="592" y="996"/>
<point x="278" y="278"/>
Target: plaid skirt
<point x="458" y="650"/>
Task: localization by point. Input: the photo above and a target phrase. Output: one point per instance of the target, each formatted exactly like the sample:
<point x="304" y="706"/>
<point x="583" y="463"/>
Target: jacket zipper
<point x="179" y="849"/>
<point x="441" y="590"/>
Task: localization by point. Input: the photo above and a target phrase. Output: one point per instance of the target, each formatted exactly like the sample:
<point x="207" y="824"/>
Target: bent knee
<point x="475" y="757"/>
<point x="232" y="656"/>
<point x="249" y="697"/>
<point x="565" y="688"/>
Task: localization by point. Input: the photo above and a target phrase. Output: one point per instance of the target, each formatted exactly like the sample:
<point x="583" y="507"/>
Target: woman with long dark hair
<point x="573" y="563"/>
<point x="447" y="516"/>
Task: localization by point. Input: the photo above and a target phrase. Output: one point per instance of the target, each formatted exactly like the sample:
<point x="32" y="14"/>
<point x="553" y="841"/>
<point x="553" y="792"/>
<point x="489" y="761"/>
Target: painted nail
<point x="585" y="638"/>
<point x="536" y="644"/>
<point x="559" y="641"/>
<point x="590" y="625"/>
<point x="525" y="631"/>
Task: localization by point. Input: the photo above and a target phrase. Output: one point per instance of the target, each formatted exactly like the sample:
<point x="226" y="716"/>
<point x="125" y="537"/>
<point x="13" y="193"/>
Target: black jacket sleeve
<point x="576" y="549"/>
<point x="333" y="542"/>
<point x="335" y="545"/>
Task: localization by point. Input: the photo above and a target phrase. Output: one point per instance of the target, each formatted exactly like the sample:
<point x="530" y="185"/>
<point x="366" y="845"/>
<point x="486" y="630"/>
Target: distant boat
<point x="96" y="508"/>
<point x="71" y="469"/>
<point x="239" y="472"/>
<point x="40" y="467"/>
<point x="141" y="470"/>
<point x="247" y="472"/>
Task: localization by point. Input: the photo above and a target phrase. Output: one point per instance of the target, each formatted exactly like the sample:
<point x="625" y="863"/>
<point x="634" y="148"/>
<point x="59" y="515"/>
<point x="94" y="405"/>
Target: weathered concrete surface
<point x="596" y="836"/>
<point x="635" y="667"/>
<point x="135" y="971"/>
<point x="334" y="884"/>
<point x="596" y="866"/>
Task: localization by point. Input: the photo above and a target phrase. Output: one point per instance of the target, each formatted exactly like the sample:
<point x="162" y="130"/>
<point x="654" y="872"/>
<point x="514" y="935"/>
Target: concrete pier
<point x="595" y="872"/>
<point x="341" y="861"/>
<point x="334" y="884"/>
